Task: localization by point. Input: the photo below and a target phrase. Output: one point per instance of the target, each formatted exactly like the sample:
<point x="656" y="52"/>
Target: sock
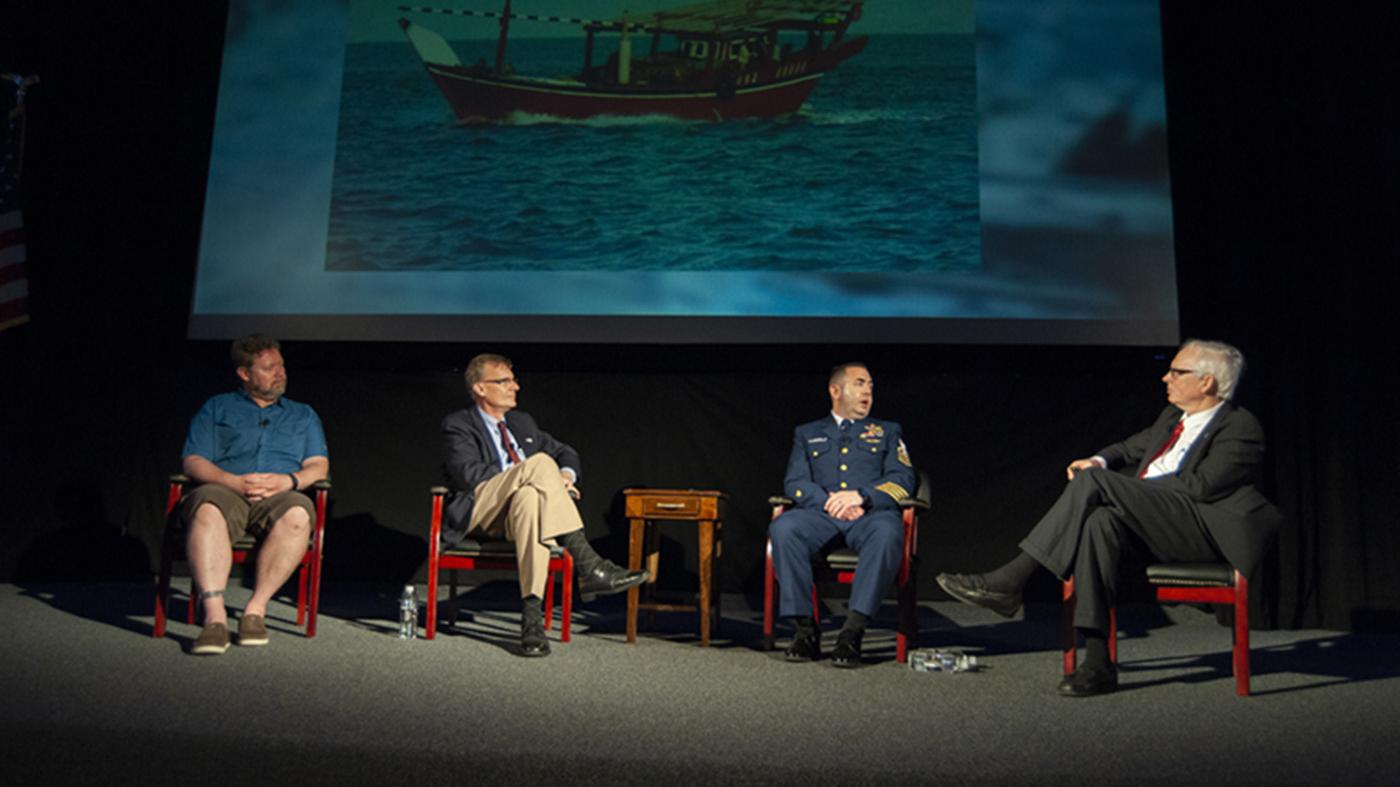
<point x="1011" y="577"/>
<point x="855" y="622"/>
<point x="804" y="625"/>
<point x="1095" y="648"/>
<point x="584" y="556"/>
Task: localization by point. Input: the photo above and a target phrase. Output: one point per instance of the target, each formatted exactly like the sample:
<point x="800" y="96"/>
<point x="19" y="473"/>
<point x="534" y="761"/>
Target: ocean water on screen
<point x="877" y="172"/>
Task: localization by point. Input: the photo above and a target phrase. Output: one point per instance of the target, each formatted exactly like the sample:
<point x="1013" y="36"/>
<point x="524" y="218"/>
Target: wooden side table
<point x="704" y="507"/>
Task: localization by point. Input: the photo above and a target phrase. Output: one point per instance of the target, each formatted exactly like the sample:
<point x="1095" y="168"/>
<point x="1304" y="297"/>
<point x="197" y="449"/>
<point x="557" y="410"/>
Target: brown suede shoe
<point x="212" y="641"/>
<point x="251" y="631"/>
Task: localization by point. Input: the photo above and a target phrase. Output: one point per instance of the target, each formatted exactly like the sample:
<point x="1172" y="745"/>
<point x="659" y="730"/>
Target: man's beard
<point x="274" y="392"/>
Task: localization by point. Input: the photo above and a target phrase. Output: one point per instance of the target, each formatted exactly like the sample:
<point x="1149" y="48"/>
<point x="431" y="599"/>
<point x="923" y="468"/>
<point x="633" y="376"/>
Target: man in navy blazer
<point x="1191" y="500"/>
<point x="509" y="479"/>
<point x="846" y="476"/>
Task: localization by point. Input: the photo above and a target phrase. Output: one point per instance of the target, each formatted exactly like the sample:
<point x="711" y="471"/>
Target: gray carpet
<point x="89" y="696"/>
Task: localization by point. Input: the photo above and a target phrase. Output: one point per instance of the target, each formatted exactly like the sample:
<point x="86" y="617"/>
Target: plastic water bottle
<point x="408" y="613"/>
<point x="934" y="660"/>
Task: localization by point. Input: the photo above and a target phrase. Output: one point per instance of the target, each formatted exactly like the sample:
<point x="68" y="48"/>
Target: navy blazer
<point x="1218" y="474"/>
<point x="470" y="457"/>
<point x="870" y="458"/>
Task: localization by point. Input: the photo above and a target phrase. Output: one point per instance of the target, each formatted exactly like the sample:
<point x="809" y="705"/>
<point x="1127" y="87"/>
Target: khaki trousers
<point x="528" y="506"/>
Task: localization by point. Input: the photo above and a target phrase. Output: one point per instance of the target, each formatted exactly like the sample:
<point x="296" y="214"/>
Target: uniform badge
<point x="872" y="432"/>
<point x="816" y="439"/>
<point x="903" y="454"/>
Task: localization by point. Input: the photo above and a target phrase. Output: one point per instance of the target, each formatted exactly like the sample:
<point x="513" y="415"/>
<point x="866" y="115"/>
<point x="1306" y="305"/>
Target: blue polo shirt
<point x="231" y="431"/>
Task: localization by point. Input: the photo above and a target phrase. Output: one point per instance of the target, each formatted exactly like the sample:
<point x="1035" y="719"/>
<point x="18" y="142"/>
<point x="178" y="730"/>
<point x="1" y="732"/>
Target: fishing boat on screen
<point x="713" y="61"/>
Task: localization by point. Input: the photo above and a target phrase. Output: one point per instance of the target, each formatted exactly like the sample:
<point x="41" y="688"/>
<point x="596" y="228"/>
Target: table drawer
<point x="670" y="506"/>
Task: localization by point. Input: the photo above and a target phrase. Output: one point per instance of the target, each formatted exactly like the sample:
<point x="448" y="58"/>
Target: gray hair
<point x="1222" y="361"/>
<point x="476" y="367"/>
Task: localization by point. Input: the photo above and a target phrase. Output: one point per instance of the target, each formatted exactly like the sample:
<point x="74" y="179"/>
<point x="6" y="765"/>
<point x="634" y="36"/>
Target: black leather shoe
<point x="806" y="645"/>
<point x="846" y="654"/>
<point x="533" y="642"/>
<point x="1089" y="681"/>
<point x="972" y="589"/>
<point x="607" y="578"/>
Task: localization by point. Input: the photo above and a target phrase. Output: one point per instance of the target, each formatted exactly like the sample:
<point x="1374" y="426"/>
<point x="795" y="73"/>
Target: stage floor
<point x="89" y="696"/>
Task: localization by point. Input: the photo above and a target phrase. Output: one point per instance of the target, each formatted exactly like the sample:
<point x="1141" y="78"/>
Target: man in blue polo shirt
<point x="250" y="450"/>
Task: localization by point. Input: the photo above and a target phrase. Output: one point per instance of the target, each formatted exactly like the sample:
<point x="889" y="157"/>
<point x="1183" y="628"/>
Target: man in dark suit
<point x="510" y="479"/>
<point x="846" y="476"/>
<point x="1192" y="499"/>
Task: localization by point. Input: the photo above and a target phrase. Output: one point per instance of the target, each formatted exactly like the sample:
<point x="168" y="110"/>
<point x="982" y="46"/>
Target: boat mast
<point x="624" y="55"/>
<point x="501" y="43"/>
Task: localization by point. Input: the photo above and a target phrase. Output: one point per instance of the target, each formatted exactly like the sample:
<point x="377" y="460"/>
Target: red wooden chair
<point x="308" y="574"/>
<point x="473" y="555"/>
<point x="840" y="564"/>
<point x="1209" y="583"/>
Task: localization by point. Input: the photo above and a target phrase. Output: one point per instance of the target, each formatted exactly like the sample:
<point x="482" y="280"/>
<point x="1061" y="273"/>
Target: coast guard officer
<point x="847" y="474"/>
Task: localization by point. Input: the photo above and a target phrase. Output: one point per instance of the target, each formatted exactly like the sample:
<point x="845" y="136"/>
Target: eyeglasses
<point x="504" y="381"/>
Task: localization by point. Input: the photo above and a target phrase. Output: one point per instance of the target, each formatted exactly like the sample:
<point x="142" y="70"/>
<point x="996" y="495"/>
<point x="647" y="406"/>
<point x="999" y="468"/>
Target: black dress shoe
<point x="972" y="589"/>
<point x="1089" y="681"/>
<point x="806" y="645"/>
<point x="607" y="578"/>
<point x="846" y="654"/>
<point x="533" y="642"/>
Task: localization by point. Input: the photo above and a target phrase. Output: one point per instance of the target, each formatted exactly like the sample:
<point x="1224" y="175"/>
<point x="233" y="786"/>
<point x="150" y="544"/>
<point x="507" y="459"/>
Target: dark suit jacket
<point x="470" y="457"/>
<point x="1218" y="474"/>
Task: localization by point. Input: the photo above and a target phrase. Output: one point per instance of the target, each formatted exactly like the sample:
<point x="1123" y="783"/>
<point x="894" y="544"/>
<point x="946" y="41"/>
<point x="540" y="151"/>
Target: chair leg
<point x="313" y="561"/>
<point x="313" y="599"/>
<point x="430" y="611"/>
<point x="1067" y="641"/>
<point x="452" y="608"/>
<point x="566" y="604"/>
<point x="1241" y="644"/>
<point x="301" y="593"/>
<point x="908" y="629"/>
<point x="162" y="591"/>
<point x="549" y="599"/>
<point x="768" y="588"/>
<point x="1113" y="635"/>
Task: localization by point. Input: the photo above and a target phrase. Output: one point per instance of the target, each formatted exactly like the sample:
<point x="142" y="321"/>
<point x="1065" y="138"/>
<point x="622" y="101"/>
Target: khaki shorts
<point x="243" y="516"/>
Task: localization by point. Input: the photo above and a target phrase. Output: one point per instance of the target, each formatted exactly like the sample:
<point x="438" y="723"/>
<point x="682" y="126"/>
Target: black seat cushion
<point x="470" y="547"/>
<point x="842" y="559"/>
<point x="1192" y="574"/>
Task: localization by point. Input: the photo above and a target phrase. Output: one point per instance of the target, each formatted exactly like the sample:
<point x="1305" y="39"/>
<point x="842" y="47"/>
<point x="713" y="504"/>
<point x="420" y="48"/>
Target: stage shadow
<point x="489" y="612"/>
<point x="90" y="550"/>
<point x="1331" y="660"/>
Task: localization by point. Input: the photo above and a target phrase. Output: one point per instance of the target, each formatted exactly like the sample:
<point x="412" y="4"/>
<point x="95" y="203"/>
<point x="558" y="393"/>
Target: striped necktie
<point x="505" y="441"/>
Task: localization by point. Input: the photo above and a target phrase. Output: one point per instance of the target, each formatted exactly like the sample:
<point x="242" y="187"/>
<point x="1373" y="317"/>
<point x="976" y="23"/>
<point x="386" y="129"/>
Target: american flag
<point x="14" y="284"/>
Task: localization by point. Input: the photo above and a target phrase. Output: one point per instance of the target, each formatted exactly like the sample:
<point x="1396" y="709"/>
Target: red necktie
<point x="1171" y="441"/>
<point x="510" y="448"/>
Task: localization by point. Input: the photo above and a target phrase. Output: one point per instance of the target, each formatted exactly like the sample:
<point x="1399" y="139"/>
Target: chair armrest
<point x="922" y="499"/>
<point x="184" y="480"/>
<point x="437" y="490"/>
<point x="780" y="501"/>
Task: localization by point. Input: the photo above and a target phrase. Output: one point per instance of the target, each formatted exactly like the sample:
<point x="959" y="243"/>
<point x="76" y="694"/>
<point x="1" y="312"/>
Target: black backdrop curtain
<point x="1284" y="171"/>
